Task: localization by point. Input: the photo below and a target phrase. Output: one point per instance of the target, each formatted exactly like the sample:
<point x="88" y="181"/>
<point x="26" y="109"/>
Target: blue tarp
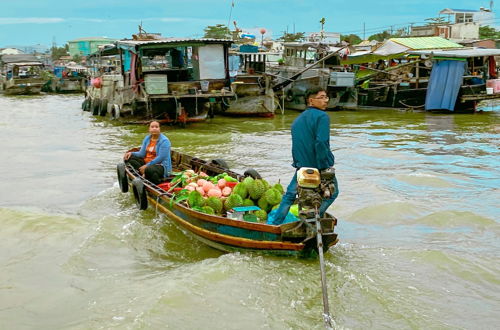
<point x="127" y="56"/>
<point x="444" y="85"/>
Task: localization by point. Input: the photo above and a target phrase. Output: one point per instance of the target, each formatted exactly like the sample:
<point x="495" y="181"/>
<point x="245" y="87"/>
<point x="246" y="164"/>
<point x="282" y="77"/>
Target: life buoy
<point x="140" y="195"/>
<point x="252" y="173"/>
<point x="122" y="177"/>
<point x="221" y="163"/>
<point x="103" y="108"/>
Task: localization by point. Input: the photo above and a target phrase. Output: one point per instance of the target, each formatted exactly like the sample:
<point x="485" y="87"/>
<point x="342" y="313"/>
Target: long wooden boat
<point x="226" y="234"/>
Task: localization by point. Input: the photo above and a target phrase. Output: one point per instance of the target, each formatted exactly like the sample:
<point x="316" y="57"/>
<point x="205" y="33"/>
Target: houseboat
<point x="169" y="79"/>
<point x="428" y="73"/>
<point x="251" y="84"/>
<point x="21" y="74"/>
<point x="308" y="64"/>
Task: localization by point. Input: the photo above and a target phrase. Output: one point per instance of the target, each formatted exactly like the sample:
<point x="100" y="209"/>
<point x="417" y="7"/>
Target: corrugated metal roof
<point x="93" y="39"/>
<point x="171" y="41"/>
<point x="469" y="52"/>
<point x="457" y="11"/>
<point x="19" y="58"/>
<point x="418" y="43"/>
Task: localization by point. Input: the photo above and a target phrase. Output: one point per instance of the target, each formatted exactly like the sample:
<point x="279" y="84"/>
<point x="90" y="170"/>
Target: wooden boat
<point x="21" y="74"/>
<point x="226" y="234"/>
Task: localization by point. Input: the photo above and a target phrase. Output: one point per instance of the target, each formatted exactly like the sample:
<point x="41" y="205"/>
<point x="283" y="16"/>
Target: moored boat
<point x="224" y="232"/>
<point x="21" y="74"/>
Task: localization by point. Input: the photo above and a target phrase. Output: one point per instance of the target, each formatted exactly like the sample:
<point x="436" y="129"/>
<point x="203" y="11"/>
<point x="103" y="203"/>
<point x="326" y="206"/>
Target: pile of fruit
<point x="221" y="193"/>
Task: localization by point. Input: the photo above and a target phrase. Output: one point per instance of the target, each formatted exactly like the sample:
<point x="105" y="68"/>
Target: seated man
<point x="153" y="159"/>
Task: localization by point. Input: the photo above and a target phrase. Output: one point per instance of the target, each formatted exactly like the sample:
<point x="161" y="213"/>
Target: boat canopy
<point x="460" y="53"/>
<point x="397" y="47"/>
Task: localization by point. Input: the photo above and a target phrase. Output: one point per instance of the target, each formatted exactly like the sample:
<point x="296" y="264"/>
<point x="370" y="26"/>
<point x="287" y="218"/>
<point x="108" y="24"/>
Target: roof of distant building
<point x="457" y="11"/>
<point x="92" y="39"/>
<point x="426" y="43"/>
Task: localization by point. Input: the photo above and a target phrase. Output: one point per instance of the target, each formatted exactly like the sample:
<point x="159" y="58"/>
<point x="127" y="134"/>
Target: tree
<point x="77" y="58"/>
<point x="57" y="52"/>
<point x="219" y="31"/>
<point x="291" y="37"/>
<point x="352" y="39"/>
<point x="435" y="20"/>
<point x="488" y="32"/>
<point x="380" y="36"/>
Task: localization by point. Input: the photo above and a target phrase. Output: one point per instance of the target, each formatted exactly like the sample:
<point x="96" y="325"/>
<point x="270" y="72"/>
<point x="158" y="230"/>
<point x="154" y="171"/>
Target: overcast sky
<point x="29" y="22"/>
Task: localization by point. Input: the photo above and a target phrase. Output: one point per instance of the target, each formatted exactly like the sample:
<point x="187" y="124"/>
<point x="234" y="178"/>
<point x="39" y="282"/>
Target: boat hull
<point x="231" y="235"/>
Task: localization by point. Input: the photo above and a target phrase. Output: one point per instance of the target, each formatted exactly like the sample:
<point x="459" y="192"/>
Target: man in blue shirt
<point x="310" y="148"/>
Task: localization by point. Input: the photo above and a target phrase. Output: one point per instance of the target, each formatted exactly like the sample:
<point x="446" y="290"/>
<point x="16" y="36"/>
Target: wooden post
<point x="417" y="72"/>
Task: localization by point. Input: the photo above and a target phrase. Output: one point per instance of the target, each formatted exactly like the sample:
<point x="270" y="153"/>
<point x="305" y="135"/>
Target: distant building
<point x="33" y="49"/>
<point x="10" y="51"/>
<point x="461" y="24"/>
<point x="87" y="46"/>
<point x="326" y="37"/>
<point x="483" y="16"/>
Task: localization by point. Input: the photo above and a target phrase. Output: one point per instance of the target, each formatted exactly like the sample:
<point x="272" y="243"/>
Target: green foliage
<point x="58" y="52"/>
<point x="435" y="20"/>
<point x="380" y="36"/>
<point x="219" y="31"/>
<point x="488" y="32"/>
<point x="290" y="37"/>
<point x="352" y="39"/>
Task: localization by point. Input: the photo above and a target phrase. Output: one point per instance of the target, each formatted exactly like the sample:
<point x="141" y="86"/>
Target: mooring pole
<point x="319" y="239"/>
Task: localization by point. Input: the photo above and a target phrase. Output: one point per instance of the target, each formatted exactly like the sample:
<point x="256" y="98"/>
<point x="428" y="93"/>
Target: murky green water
<point x="418" y="222"/>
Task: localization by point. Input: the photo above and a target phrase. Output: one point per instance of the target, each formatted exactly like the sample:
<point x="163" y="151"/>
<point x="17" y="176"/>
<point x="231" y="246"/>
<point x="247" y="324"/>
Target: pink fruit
<point x="193" y="184"/>
<point x="201" y="182"/>
<point x="203" y="174"/>
<point x="215" y="192"/>
<point x="200" y="190"/>
<point x="226" y="191"/>
<point x="207" y="186"/>
<point x="221" y="183"/>
<point x="190" y="188"/>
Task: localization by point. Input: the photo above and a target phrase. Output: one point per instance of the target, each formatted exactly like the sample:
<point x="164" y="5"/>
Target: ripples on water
<point x="418" y="226"/>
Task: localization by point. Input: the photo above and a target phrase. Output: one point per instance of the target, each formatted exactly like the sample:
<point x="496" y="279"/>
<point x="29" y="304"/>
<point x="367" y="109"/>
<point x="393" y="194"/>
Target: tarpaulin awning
<point x="444" y="85"/>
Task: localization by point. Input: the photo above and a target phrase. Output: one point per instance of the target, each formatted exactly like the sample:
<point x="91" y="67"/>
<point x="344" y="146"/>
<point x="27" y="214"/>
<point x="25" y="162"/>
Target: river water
<point x="418" y="225"/>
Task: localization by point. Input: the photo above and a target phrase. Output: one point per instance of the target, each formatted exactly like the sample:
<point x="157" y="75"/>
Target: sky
<point x="31" y="22"/>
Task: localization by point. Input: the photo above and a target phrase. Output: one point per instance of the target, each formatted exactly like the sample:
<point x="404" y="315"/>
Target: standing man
<point x="310" y="148"/>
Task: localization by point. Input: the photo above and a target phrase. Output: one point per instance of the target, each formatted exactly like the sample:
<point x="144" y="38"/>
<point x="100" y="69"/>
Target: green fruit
<point x="294" y="209"/>
<point x="256" y="189"/>
<point x="266" y="184"/>
<point x="214" y="203"/>
<point x="279" y="188"/>
<point x="232" y="201"/>
<point x="248" y="202"/>
<point x="241" y="190"/>
<point x="261" y="215"/>
<point x="247" y="181"/>
<point x="263" y="204"/>
<point x="208" y="210"/>
<point x="195" y="199"/>
<point x="273" y="196"/>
